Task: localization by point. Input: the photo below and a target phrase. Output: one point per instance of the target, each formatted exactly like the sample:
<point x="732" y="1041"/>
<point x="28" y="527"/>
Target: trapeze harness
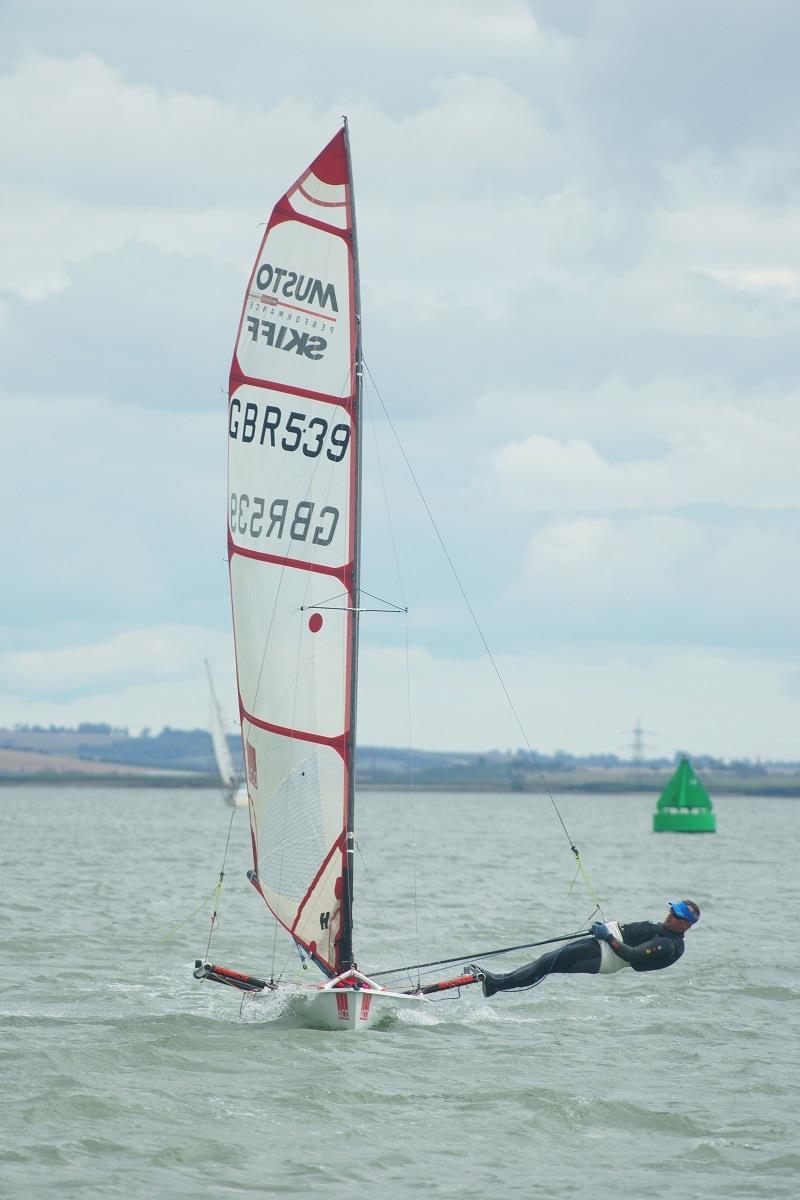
<point x="642" y="945"/>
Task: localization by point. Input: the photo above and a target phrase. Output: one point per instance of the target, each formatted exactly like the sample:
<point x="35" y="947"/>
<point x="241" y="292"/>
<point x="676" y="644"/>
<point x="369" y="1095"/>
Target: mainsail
<point x="293" y="536"/>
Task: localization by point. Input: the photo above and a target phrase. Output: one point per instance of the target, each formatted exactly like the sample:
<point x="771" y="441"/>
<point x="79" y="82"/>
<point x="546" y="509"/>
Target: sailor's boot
<point x="489" y="983"/>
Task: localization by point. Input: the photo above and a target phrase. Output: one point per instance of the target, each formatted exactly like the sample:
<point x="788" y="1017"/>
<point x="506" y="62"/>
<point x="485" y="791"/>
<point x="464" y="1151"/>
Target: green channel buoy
<point x="684" y="806"/>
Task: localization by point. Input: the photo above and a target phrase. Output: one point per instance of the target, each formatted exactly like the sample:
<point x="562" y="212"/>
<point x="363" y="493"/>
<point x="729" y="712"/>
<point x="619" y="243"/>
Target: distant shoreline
<point x="99" y="755"/>
<point x="561" y="782"/>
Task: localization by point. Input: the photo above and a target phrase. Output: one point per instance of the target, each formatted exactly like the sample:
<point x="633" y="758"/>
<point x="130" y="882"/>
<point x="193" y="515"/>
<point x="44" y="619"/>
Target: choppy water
<point x="124" y="1077"/>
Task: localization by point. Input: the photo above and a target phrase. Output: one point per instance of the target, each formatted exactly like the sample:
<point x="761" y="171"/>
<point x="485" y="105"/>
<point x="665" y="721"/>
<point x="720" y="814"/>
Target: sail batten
<point x="293" y="525"/>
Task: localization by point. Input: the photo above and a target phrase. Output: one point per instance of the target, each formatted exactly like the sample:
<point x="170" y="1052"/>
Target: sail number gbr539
<point x="313" y="437"/>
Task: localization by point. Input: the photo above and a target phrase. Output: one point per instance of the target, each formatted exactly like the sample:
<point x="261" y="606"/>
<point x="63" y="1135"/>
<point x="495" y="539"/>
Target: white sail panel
<point x="296" y="790"/>
<point x="296" y="327"/>
<point x="290" y="458"/>
<point x="292" y="542"/>
<point x="324" y="201"/>
<point x="293" y="673"/>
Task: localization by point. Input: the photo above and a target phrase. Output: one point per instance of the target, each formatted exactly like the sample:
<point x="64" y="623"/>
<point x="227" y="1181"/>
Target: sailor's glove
<point x="601" y="931"/>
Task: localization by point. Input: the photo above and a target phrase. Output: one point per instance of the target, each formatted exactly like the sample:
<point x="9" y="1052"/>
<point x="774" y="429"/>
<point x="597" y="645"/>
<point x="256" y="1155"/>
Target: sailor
<point x="643" y="945"/>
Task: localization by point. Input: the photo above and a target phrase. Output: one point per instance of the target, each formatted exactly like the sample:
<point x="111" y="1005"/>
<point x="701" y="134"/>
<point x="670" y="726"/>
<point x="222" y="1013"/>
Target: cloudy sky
<point x="580" y="252"/>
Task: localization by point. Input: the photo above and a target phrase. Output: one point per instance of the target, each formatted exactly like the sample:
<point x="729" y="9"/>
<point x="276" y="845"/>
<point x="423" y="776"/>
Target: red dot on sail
<point x="315" y="622"/>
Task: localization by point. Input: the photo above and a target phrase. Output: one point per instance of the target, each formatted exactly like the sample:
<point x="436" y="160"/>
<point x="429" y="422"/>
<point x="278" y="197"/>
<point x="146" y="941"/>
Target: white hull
<point x="237" y="798"/>
<point x="358" y="1007"/>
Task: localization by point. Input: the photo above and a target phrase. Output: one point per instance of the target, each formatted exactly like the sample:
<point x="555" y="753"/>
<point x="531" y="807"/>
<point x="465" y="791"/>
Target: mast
<point x="346" y="959"/>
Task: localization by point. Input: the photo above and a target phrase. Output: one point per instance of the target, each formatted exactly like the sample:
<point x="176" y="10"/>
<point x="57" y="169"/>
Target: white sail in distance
<point x="222" y="751"/>
<point x="293" y="532"/>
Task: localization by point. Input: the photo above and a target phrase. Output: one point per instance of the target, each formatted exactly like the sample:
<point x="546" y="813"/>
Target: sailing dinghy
<point x="294" y="549"/>
<point x="235" y="794"/>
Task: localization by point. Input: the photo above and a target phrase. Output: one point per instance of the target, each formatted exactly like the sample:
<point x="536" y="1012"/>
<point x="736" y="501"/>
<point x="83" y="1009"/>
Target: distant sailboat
<point x="234" y="794"/>
<point x="684" y="806"/>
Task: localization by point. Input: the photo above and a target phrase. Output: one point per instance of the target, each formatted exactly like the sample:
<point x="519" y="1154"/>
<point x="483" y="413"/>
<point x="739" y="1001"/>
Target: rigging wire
<point x="294" y="948"/>
<point x="581" y="870"/>
<point x="413" y="789"/>
<point x="389" y="926"/>
<point x="218" y="889"/>
<point x="171" y="932"/>
<point x="474" y="956"/>
<point x="388" y="605"/>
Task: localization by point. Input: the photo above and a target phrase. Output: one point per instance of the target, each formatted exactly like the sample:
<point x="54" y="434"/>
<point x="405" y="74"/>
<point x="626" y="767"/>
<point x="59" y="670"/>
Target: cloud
<point x="656" y="579"/>
<point x="778" y="283"/>
<point x="580" y="301"/>
<point x="441" y="29"/>
<point x="598" y="556"/>
<point x="76" y="127"/>
<point x="152" y="655"/>
<point x="586" y="697"/>
<point x="147" y="328"/>
<point x="643" y="80"/>
<point x="45" y="244"/>
<point x="132" y="161"/>
<point x="504" y="223"/>
<point x="114" y="515"/>
<point x="710" y="451"/>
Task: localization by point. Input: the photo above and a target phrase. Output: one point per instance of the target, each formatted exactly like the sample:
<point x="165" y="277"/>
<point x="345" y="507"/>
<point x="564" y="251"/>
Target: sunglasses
<point x="683" y="912"/>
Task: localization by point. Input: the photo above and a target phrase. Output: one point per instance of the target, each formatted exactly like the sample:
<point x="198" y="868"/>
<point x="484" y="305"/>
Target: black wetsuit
<point x="646" y="946"/>
<point x="649" y="946"/>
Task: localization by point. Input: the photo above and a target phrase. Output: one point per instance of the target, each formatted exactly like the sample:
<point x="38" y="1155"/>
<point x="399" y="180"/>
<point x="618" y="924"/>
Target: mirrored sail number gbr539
<point x="289" y="475"/>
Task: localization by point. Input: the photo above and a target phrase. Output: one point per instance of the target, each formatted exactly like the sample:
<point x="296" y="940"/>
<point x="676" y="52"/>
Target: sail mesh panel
<point x="293" y="830"/>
